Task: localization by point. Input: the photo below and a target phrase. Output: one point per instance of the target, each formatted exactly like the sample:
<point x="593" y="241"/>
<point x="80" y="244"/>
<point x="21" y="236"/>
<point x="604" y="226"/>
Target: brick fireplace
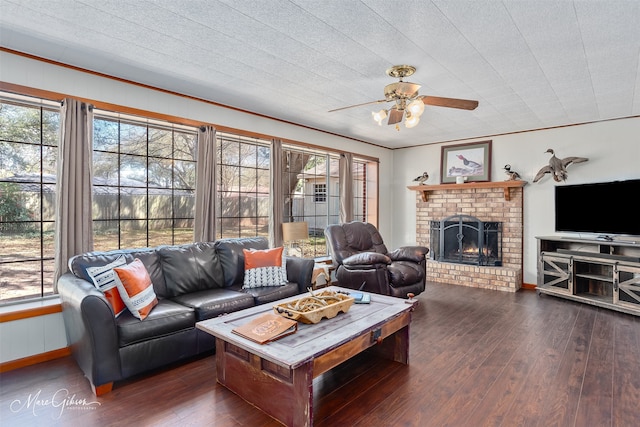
<point x="490" y="201"/>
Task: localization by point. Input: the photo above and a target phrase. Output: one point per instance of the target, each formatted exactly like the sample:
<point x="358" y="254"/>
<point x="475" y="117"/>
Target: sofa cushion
<point x="232" y="258"/>
<point x="264" y="267"/>
<point x="106" y="280"/>
<point x="136" y="289"/>
<point x="214" y="302"/>
<point x="166" y="318"/>
<point x="190" y="268"/>
<point x="79" y="263"/>
<point x="271" y="293"/>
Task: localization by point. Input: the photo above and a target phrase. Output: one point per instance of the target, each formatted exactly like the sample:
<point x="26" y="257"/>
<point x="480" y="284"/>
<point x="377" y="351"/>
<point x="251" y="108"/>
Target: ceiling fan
<point x="407" y="100"/>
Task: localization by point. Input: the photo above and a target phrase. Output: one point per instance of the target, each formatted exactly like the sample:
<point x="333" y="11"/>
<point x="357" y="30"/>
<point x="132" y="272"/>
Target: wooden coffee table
<point x="278" y="377"/>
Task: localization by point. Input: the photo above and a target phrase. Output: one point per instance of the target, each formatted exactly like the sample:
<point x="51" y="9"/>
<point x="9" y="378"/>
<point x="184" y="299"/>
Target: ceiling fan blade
<point x="464" y="104"/>
<point x="395" y="116"/>
<point x="358" y="105"/>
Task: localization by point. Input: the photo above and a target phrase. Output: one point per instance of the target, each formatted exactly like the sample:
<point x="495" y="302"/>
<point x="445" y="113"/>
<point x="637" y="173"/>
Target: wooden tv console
<point x="597" y="272"/>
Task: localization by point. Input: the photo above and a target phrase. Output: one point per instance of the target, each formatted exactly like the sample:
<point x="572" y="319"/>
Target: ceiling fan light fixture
<point x="379" y="116"/>
<point x="416" y="107"/>
<point x="411" y="121"/>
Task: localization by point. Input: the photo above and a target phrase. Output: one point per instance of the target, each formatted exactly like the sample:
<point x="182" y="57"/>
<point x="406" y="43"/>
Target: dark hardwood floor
<point x="478" y="357"/>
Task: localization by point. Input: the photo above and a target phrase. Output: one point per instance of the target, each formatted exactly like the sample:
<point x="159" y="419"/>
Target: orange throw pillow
<point x="106" y="280"/>
<point x="136" y="289"/>
<point x="264" y="268"/>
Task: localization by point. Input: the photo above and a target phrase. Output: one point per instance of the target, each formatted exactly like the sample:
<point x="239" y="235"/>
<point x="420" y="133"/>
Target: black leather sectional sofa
<point x="192" y="282"/>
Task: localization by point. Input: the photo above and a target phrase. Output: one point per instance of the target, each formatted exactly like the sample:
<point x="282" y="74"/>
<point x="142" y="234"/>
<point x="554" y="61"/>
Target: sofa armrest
<point x="300" y="270"/>
<point x="409" y="253"/>
<point x="365" y="259"/>
<point x="91" y="330"/>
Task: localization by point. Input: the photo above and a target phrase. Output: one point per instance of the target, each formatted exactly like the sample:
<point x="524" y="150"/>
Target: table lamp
<point x="292" y="234"/>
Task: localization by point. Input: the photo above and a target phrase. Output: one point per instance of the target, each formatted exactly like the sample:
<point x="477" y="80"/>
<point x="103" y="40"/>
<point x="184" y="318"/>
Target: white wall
<point x="35" y="335"/>
<point x="613" y="149"/>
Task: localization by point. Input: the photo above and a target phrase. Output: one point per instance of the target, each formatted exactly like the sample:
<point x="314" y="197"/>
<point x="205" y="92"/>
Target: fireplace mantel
<point x="506" y="185"/>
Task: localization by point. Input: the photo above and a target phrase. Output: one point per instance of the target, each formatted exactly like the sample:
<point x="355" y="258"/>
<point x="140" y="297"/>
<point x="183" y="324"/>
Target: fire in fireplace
<point x="466" y="239"/>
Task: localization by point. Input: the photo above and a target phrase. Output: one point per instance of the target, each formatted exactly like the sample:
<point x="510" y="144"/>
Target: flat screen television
<point x="605" y="208"/>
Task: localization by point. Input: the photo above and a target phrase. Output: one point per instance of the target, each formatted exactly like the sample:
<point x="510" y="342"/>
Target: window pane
<point x="133" y="171"/>
<point x="20" y="242"/>
<point x="21" y="160"/>
<point x="48" y="240"/>
<point x="50" y="127"/>
<point x="160" y="205"/>
<point x="133" y="234"/>
<point x="20" y="280"/>
<point x="160" y="143"/>
<point x="133" y="205"/>
<point x="105" y="135"/>
<point x="160" y="174"/>
<point x="229" y="152"/>
<point x="160" y="232"/>
<point x="248" y="155"/>
<point x="184" y="146"/>
<point x="105" y="235"/>
<point x="183" y="231"/>
<point x="133" y="139"/>
<point x="49" y="157"/>
<point x="229" y="227"/>
<point x="184" y="204"/>
<point x="229" y="180"/>
<point x="105" y="168"/>
<point x="19" y="123"/>
<point x="248" y="180"/>
<point x="48" y="202"/>
<point x="185" y="174"/>
<point x="105" y="203"/>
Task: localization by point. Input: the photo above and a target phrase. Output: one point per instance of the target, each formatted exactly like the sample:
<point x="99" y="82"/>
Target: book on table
<point x="266" y="328"/>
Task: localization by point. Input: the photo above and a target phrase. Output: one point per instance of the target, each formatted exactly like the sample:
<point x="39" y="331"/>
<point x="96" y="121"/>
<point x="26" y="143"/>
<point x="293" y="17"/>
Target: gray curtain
<point x="276" y="197"/>
<point x="346" y="187"/>
<point x="74" y="226"/>
<point x="204" y="228"/>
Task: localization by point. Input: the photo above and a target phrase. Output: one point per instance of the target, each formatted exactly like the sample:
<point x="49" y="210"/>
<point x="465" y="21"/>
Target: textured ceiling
<point x="530" y="64"/>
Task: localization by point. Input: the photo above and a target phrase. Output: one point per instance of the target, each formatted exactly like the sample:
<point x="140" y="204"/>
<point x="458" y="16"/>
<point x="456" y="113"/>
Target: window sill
<point x="28" y="309"/>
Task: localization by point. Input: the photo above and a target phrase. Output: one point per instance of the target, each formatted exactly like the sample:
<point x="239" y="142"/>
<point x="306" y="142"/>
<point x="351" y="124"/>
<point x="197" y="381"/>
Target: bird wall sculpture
<point x="557" y="167"/>
<point x="513" y="175"/>
<point x="422" y="178"/>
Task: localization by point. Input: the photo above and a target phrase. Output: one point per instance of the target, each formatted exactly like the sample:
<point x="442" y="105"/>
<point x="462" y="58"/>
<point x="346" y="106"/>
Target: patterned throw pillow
<point x="105" y="279"/>
<point x="264" y="268"/>
<point x="136" y="288"/>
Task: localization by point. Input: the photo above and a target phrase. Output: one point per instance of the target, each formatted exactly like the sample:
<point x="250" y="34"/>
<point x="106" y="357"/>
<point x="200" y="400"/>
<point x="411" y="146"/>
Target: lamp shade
<point x="411" y="121"/>
<point x="416" y="107"/>
<point x="379" y="116"/>
<point x="292" y="231"/>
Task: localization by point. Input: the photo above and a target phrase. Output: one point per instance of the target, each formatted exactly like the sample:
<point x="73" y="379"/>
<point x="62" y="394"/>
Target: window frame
<point x="144" y="188"/>
<point x="45" y="221"/>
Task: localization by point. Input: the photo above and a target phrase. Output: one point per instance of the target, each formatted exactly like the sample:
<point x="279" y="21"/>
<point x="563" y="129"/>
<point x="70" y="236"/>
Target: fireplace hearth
<point x="465" y="239"/>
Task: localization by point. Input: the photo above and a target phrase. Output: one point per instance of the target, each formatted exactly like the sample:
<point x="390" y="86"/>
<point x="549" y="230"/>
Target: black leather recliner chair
<point x="362" y="261"/>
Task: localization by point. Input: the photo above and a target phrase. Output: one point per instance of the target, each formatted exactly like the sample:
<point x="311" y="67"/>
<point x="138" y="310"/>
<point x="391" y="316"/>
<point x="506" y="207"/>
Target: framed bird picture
<point x="470" y="161"/>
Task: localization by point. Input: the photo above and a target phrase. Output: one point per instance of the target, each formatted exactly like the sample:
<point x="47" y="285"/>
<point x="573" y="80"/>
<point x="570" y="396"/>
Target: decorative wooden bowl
<point x="303" y="309"/>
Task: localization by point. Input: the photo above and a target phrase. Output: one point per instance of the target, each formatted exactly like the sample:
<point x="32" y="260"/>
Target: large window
<point x="144" y="188"/>
<point x="144" y="183"/>
<point x="243" y="186"/>
<point x="29" y="133"/>
<point x="312" y="193"/>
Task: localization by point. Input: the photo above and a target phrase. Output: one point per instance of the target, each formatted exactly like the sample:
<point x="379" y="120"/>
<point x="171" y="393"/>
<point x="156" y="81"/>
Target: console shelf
<point x="601" y="273"/>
